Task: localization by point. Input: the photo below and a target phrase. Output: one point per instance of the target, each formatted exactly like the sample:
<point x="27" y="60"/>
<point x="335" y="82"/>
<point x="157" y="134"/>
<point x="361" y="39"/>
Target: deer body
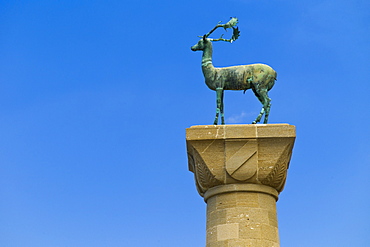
<point x="258" y="77"/>
<point x="242" y="77"/>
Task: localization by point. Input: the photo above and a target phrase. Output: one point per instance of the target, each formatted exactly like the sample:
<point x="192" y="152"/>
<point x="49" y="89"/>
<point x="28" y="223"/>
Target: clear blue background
<point x="95" y="97"/>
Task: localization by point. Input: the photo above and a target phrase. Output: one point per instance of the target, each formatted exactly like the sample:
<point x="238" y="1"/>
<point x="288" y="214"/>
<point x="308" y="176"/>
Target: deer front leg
<point x="219" y="103"/>
<point x="222" y="108"/>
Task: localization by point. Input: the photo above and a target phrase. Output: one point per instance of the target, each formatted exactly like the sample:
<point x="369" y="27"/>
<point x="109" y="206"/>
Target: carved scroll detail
<point x="277" y="177"/>
<point x="204" y="179"/>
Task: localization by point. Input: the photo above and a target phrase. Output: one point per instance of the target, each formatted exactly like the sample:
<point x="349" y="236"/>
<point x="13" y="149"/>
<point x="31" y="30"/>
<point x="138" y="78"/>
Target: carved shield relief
<point x="241" y="158"/>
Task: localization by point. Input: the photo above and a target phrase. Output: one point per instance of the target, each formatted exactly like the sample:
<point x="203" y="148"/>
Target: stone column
<point x="239" y="171"/>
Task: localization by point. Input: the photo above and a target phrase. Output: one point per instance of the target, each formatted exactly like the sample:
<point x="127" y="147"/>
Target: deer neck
<point x="207" y="66"/>
<point x="207" y="55"/>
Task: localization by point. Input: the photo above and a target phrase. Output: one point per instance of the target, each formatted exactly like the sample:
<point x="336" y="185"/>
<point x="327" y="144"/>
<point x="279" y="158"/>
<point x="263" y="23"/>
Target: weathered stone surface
<point x="228" y="154"/>
<point x="240" y="171"/>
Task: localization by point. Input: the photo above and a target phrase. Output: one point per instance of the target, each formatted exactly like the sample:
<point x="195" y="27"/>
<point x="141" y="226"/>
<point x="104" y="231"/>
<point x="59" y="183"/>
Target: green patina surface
<point x="258" y="77"/>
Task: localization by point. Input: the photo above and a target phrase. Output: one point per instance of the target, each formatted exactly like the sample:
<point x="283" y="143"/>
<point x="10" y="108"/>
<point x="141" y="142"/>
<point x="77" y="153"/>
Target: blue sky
<point x="96" y="97"/>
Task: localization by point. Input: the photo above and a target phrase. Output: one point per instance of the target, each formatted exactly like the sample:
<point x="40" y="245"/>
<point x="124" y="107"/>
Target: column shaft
<point x="240" y="170"/>
<point x="242" y="218"/>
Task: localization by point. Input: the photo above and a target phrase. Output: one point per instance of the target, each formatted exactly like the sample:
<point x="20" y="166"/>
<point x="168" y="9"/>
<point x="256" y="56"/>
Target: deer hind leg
<point x="220" y="105"/>
<point x="266" y="105"/>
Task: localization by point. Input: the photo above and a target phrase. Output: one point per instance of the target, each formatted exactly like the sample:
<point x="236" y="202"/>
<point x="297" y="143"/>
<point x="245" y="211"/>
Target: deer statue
<point x="258" y="77"/>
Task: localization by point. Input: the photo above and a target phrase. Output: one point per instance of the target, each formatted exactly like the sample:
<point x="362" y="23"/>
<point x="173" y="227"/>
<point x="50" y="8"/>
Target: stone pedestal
<point x="239" y="171"/>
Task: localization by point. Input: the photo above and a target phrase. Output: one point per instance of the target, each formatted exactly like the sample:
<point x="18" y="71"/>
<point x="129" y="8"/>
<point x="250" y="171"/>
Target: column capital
<point x="255" y="154"/>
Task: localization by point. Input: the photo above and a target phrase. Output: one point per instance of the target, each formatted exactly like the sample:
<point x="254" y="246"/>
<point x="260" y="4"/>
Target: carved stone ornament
<point x="240" y="154"/>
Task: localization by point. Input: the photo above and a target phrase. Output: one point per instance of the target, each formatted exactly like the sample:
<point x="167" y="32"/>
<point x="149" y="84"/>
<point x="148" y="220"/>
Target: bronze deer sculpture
<point x="258" y="77"/>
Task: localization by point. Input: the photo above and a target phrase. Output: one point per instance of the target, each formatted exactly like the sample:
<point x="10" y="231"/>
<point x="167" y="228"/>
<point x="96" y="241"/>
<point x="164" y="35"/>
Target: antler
<point x="230" y="24"/>
<point x="236" y="34"/>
